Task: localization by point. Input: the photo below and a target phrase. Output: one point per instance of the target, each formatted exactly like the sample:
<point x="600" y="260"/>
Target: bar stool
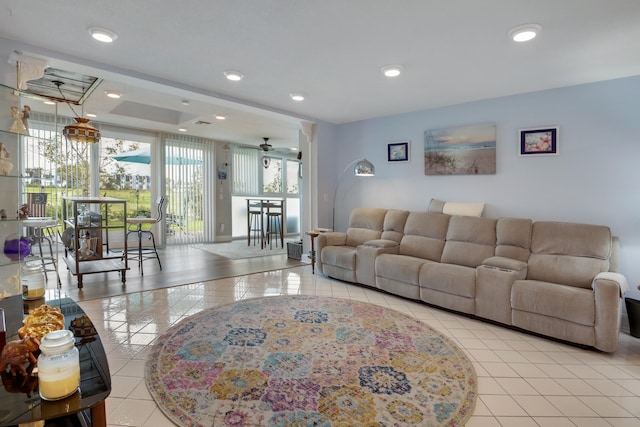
<point x="274" y="226"/>
<point x="255" y="227"/>
<point x="44" y="230"/>
<point x="137" y="225"/>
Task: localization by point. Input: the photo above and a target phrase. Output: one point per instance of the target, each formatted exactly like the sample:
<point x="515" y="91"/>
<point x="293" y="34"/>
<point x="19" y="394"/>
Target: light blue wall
<point x="594" y="179"/>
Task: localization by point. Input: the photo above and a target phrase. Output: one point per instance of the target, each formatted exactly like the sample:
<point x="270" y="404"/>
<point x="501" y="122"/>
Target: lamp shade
<point x="364" y="168"/>
<point x="81" y="131"/>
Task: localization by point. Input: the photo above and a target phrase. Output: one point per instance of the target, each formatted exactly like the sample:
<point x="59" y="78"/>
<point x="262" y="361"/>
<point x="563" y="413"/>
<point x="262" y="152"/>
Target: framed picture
<point x="460" y="150"/>
<point x="398" y="151"/>
<point x="539" y="141"/>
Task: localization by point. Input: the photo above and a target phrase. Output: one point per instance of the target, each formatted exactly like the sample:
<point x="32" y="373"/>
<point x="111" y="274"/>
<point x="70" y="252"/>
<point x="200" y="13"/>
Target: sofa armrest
<point x="382" y="244"/>
<point x="608" y="289"/>
<point x="608" y="278"/>
<point x="494" y="280"/>
<point x="329" y="238"/>
<point x="366" y="255"/>
<point x="504" y="263"/>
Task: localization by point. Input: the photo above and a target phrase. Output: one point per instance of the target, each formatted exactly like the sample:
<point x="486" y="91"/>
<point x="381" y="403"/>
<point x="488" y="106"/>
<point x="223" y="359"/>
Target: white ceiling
<point x="452" y="51"/>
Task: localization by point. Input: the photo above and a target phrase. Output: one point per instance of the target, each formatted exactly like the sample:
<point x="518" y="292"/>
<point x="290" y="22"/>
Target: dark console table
<point x="20" y="402"/>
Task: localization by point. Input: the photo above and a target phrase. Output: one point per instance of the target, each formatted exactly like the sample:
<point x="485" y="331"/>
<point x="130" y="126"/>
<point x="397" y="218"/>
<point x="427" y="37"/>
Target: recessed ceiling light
<point x="102" y="34"/>
<point x="113" y="94"/>
<point x="49" y="102"/>
<point x="391" y="70"/>
<point x="525" y="32"/>
<point x="91" y="115"/>
<point x="297" y="96"/>
<point x="185" y="102"/>
<point x="234" y="76"/>
<point x="182" y="130"/>
<point x="220" y="117"/>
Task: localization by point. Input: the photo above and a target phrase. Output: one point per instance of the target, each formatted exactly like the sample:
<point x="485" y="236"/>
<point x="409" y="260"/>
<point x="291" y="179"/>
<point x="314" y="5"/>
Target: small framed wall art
<point x="398" y="151"/>
<point x="539" y="141"/>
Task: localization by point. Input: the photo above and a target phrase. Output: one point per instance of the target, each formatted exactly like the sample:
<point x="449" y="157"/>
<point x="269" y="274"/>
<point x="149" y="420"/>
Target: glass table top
<point x="20" y="401"/>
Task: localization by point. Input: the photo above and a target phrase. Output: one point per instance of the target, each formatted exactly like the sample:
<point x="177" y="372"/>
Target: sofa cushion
<point x="569" y="253"/>
<point x="585" y="240"/>
<point x="394" y="222"/>
<point x="369" y="218"/>
<point x="466" y="209"/>
<point x="551" y="299"/>
<point x="505" y="264"/>
<point x="449" y="278"/>
<point x="455" y="208"/>
<point x="424" y="235"/>
<point x="401" y="268"/>
<point x="339" y="256"/>
<point x="436" y="205"/>
<point x="513" y="238"/>
<point x="470" y="240"/>
<point x="358" y="236"/>
<point x="365" y="224"/>
<point x="380" y="243"/>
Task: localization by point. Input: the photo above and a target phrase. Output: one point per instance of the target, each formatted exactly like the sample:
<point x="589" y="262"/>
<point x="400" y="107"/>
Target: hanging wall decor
<point x="539" y="141"/>
<point x="460" y="150"/>
<point x="398" y="151"/>
<point x="222" y="172"/>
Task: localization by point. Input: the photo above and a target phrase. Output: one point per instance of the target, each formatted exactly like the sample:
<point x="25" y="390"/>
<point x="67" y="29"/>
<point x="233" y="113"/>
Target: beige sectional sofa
<point x="552" y="278"/>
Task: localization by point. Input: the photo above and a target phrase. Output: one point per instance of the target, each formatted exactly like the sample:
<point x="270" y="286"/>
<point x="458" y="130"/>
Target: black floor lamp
<point x="363" y="167"/>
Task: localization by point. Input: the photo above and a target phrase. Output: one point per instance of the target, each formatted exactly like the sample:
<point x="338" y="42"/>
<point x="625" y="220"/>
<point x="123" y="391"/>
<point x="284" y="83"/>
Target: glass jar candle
<point x="58" y="365"/>
<point x="33" y="280"/>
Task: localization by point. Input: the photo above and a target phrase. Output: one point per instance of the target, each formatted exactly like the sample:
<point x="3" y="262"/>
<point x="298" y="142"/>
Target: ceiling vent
<point x="201" y="122"/>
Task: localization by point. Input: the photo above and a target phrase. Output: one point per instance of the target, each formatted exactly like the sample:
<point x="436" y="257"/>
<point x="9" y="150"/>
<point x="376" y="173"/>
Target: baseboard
<point x="222" y="239"/>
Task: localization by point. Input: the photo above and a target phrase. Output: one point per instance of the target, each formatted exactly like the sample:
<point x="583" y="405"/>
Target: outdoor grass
<point x="139" y="204"/>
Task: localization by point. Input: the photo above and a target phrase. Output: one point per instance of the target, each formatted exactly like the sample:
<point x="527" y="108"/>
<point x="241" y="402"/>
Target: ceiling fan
<point x="269" y="150"/>
<point x="266" y="146"/>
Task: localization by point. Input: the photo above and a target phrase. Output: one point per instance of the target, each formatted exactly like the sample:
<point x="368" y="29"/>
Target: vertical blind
<point x="189" y="188"/>
<point x="189" y="174"/>
<point x="246" y="174"/>
<point x="74" y="159"/>
<point x="39" y="165"/>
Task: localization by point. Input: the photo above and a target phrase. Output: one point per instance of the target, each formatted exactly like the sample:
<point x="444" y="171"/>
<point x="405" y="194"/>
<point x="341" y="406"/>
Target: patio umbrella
<point x="143" y="155"/>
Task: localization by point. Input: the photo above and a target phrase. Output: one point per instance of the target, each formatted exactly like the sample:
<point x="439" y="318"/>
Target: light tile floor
<point x="523" y="380"/>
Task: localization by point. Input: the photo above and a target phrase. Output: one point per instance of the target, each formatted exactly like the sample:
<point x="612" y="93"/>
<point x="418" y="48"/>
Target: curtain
<point x="246" y="174"/>
<point x="75" y="160"/>
<point x="190" y="189"/>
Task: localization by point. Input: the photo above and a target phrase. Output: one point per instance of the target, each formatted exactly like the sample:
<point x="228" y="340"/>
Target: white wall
<point x="594" y="179"/>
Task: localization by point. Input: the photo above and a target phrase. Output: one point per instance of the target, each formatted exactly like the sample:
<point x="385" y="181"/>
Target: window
<point x="250" y="178"/>
<point x="189" y="204"/>
<point x="293" y="177"/>
<point x="272" y="176"/>
<point x="245" y="171"/>
<point x="125" y="172"/>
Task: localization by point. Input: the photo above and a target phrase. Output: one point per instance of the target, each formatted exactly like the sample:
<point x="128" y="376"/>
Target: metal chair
<point x="274" y="215"/>
<point x="144" y="226"/>
<point x="274" y="227"/>
<point x="255" y="227"/>
<point x="43" y="230"/>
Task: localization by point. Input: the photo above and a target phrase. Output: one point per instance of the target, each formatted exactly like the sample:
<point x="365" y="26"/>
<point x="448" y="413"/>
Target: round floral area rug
<point x="309" y="361"/>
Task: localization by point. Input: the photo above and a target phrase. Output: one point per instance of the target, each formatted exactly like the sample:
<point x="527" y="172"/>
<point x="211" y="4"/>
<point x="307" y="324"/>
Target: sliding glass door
<point x="187" y="187"/>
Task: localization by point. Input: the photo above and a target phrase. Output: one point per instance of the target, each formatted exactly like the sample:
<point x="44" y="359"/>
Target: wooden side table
<point x="312" y="254"/>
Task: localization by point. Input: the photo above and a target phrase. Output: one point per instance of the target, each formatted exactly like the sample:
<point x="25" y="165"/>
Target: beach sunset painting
<point x="460" y="150"/>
